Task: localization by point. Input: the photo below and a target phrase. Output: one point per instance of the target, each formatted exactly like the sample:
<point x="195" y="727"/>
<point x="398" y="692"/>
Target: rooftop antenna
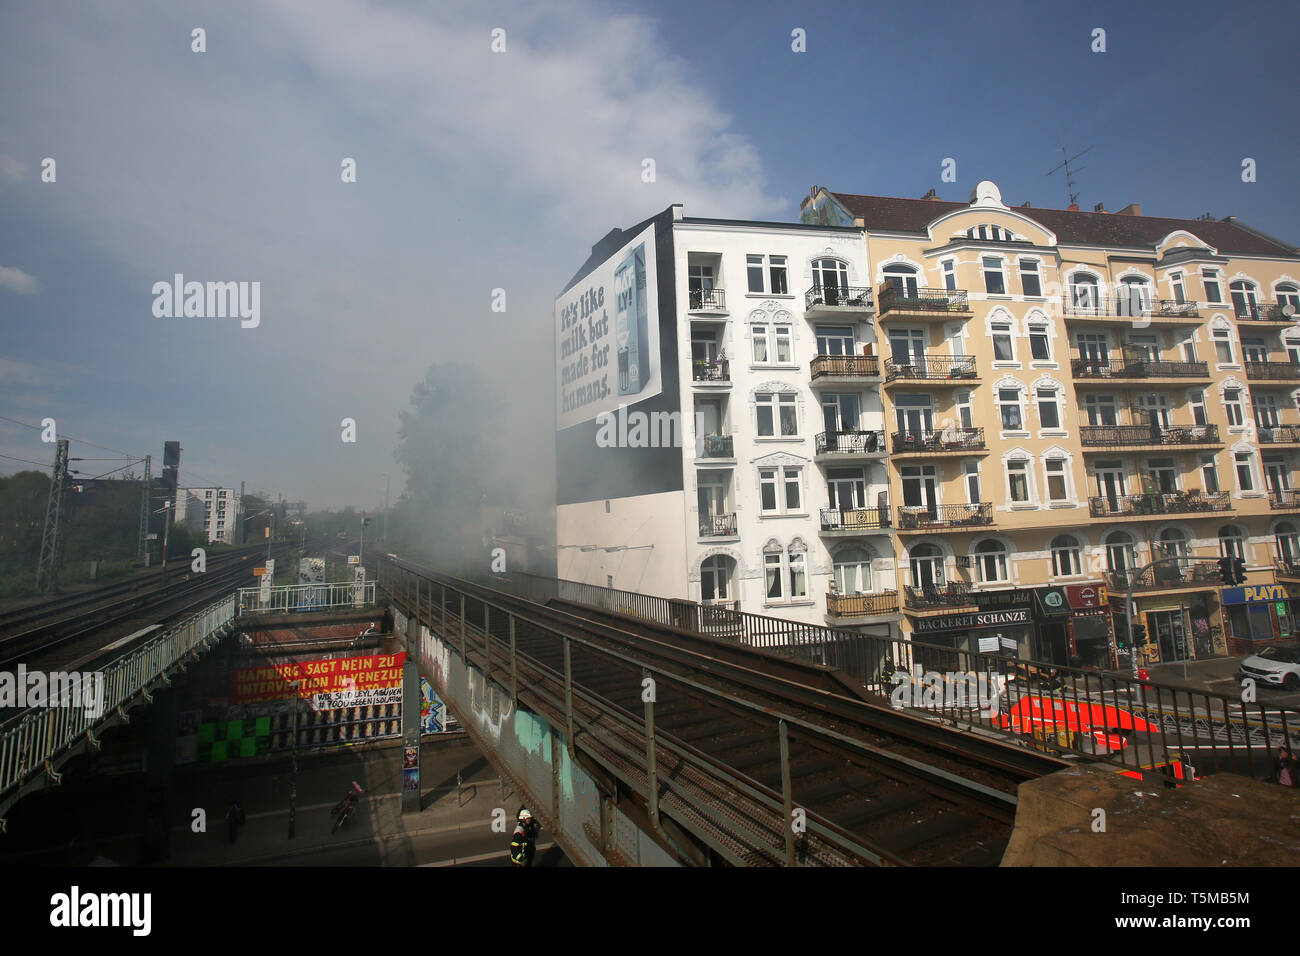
<point x="1069" y="173"/>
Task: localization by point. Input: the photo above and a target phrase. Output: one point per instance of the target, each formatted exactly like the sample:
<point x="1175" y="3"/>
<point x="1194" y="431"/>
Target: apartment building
<point x="220" y="506"/>
<point x="1071" y="397"/>
<point x="731" y="451"/>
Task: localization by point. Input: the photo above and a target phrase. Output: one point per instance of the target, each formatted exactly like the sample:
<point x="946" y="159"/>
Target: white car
<point x="1276" y="666"/>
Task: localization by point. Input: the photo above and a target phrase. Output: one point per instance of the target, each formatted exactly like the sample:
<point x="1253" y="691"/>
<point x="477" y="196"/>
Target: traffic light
<point x="1238" y="571"/>
<point x="1226" y="570"/>
<point x="1139" y="635"/>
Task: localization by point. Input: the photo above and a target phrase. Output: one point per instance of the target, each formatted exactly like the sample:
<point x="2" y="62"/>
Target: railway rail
<point x="899" y="789"/>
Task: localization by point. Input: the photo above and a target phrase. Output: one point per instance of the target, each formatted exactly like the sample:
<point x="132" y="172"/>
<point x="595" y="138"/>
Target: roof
<point x="1092" y="228"/>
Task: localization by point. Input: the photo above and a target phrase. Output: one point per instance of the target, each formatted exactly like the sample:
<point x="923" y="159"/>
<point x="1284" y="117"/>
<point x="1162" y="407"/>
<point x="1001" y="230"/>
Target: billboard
<point x="607" y="335"/>
<point x="341" y="682"/>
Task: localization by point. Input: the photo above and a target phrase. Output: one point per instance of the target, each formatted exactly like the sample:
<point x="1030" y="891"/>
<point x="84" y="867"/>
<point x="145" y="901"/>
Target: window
<point x="1094" y="350"/>
<point x="1176" y="281"/>
<point x="949" y="275"/>
<point x="699" y="280"/>
<point x="902" y="279"/>
<point x="1153" y="409"/>
<point x="779" y="489"/>
<point x="1143" y="347"/>
<point x="1120" y="553"/>
<point x="991" y="561"/>
<point x="971" y="470"/>
<point x="1058" y="486"/>
<point x="1030" y="281"/>
<point x="1210" y="278"/>
<point x="777" y="408"/>
<point x="1197" y="401"/>
<point x="1049" y="414"/>
<point x="754" y="270"/>
<point x="1232" y="404"/>
<point x="1083" y="293"/>
<point x="772" y="344"/>
<point x="1162" y="475"/>
<point x="798" y="574"/>
<point x="776" y="272"/>
<point x="785" y="574"/>
<point x="994" y="282"/>
<point x="834" y="340"/>
<point x="1209" y="474"/>
<point x="1009" y="409"/>
<point x="715" y="578"/>
<point x="1222" y="346"/>
<point x="1245" y="474"/>
<point x="1189" y="349"/>
<point x="1172" y="544"/>
<point x="1232" y="543"/>
<point x="1288" y="295"/>
<point x="853" y="571"/>
<point x="1002" y="350"/>
<point x="1265" y="410"/>
<point x="842" y="412"/>
<point x="926" y="562"/>
<point x="1254" y="349"/>
<point x="830" y="274"/>
<point x="1066" y="555"/>
<point x="1288" y="542"/>
<point x="1018" y="481"/>
<point x="1040" y="345"/>
<point x="1245" y="301"/>
<point x="965" y="415"/>
<point x="907" y="346"/>
<point x="1134" y="297"/>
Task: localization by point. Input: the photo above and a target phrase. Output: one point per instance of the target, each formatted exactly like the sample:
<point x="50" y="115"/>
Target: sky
<point x="479" y="170"/>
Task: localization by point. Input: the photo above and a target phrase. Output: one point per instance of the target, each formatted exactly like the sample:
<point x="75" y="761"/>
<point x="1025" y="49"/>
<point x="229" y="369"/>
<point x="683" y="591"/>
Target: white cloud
<point x="15" y="280"/>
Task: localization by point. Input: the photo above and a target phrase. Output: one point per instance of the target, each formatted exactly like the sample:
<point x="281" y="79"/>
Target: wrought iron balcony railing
<point x="856" y="519"/>
<point x="1133" y="366"/>
<point x="1284" y="499"/>
<point x="837" y="297"/>
<point x="719" y="371"/>
<point x="931" y="368"/>
<point x="861" y="605"/>
<point x="1128" y="306"/>
<point x="921" y="518"/>
<point x="716" y="446"/>
<point x="850" y="443"/>
<point x="707" y="300"/>
<point x="1287" y="567"/>
<point x="718" y="526"/>
<point x="1273" y="371"/>
<point x="1273" y="434"/>
<point x="830" y="366"/>
<point x="1119" y="436"/>
<point x="1189" y="573"/>
<point x="1159" y="503"/>
<point x="948" y="439"/>
<point x="1259" y="311"/>
<point x="933" y="597"/>
<point x="899" y="298"/>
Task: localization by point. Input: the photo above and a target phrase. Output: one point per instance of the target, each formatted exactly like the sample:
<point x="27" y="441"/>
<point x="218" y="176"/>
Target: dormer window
<point x="990" y="233"/>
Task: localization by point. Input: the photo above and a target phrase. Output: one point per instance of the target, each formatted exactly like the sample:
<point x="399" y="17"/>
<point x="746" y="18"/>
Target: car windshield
<point x="1284" y="655"/>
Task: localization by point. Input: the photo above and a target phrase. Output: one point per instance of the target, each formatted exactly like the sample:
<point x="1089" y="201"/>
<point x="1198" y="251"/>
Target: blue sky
<point x="479" y="171"/>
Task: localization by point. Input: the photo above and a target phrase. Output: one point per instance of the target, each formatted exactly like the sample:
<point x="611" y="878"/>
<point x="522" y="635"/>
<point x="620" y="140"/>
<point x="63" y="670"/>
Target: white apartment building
<point x="220" y="506"/>
<point x="775" y="501"/>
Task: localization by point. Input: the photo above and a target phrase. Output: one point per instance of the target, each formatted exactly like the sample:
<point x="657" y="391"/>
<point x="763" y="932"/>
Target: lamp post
<point x="293" y="777"/>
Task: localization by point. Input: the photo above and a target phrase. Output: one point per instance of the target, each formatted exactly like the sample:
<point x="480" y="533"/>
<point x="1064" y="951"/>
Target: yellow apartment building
<point x="1071" y="397"/>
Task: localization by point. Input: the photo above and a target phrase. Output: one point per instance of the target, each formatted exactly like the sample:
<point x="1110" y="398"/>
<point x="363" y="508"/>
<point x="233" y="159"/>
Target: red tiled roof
<point x="1095" y="228"/>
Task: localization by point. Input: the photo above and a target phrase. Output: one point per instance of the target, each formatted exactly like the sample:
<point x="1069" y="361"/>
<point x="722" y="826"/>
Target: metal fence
<point x="38" y="736"/>
<point x="306" y="597"/>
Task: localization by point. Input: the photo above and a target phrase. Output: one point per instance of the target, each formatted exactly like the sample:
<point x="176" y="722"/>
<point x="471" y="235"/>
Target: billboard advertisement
<point x="343" y="682"/>
<point x="607" y="335"/>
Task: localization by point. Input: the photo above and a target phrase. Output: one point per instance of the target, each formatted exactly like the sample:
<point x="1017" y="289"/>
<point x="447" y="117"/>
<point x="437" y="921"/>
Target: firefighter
<point x="524" y="841"/>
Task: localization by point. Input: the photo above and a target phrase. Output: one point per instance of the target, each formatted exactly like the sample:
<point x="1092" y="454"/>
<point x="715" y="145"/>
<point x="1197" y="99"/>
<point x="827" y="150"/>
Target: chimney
<point x="931" y="195"/>
<point x="678" y="211"/>
<point x="1100" y="207"/>
<point x="1073" y="207"/>
<point x="1132" y="209"/>
<point x="1025" y="204"/>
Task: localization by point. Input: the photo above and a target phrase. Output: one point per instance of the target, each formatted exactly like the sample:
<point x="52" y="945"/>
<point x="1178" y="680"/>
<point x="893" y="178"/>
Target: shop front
<point x="1092" y="639"/>
<point x="1179" y="627"/>
<point x="1028" y="623"/>
<point x="1259" y="615"/>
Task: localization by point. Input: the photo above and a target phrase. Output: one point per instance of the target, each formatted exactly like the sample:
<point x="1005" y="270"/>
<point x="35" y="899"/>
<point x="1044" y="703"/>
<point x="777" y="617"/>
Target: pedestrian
<point x="1286" y="770"/>
<point x="523" y="842"/>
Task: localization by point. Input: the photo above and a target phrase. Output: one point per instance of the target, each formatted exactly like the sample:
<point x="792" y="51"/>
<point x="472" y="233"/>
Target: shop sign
<point x="1052" y="602"/>
<point x="965" y="622"/>
<point x="1254" y="594"/>
<point x="1086" y="595"/>
<point x="1002" y="600"/>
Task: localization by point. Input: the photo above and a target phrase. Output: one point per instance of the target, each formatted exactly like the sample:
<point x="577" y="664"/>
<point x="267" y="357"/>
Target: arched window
<point x="1245" y="298"/>
<point x="1172" y="544"/>
<point x="830" y="274"/>
<point x="1232" y="543"/>
<point x="1120" y="554"/>
<point x="1134" y="296"/>
<point x="1066" y="556"/>
<point x="1288" y="542"/>
<point x="903" y="280"/>
<point x="853" y="571"/>
<point x="927" y="567"/>
<point x="1288" y="294"/>
<point x="715" y="578"/>
<point x="1084" y="294"/>
<point x="991" y="561"/>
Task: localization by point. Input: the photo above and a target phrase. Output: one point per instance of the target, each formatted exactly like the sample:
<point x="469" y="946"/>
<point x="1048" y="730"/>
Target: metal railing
<point x="949" y="439"/>
<point x="1159" y="503"/>
<point x="861" y="605"/>
<point x="1133" y="366"/>
<point x="1261" y="311"/>
<point x="1190" y="572"/>
<point x="837" y="297"/>
<point x="893" y="297"/>
<point x="37" y="738"/>
<point x="932" y="368"/>
<point x="1290" y="569"/>
<point x="1273" y="434"/>
<point x="706" y="300"/>
<point x="831" y="366"/>
<point x="718" y="526"/>
<point x="979" y="514"/>
<point x="1118" y="436"/>
<point x="1273" y="371"/>
<point x="306" y="597"/>
<point x="1284" y="499"/>
<point x="1128" y="306"/>
<point x="716" y="446"/>
<point x="719" y="371"/>
<point x="1140" y="724"/>
<point x="856" y="519"/>
<point x="850" y="443"/>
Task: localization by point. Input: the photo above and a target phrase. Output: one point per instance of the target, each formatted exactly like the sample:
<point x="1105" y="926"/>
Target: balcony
<point x="826" y="300"/>
<point x="839" y="444"/>
<point x="861" y="605"/>
<point x="1159" y="503"/>
<point x="950" y="369"/>
<point x="1284" y="499"/>
<point x="1285" y="568"/>
<point x="945" y="517"/>
<point x="1133" y="368"/>
<point x="948" y="441"/>
<point x="1283" y="373"/>
<point x="1196" y="574"/>
<point x="711" y="373"/>
<point x="845" y="369"/>
<point x="1278" y="434"/>
<point x="934" y="304"/>
<point x="706" y="300"/>
<point x="855" y="520"/>
<point x="938" y="597"/>
<point x="718" y="526"/>
<point x="1130" y="310"/>
<point x="1146" y="436"/>
<point x="720" y="447"/>
<point x="1263" y="312"/>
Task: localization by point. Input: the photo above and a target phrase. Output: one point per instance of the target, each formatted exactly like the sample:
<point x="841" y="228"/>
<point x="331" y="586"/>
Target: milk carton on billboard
<point x="631" y="323"/>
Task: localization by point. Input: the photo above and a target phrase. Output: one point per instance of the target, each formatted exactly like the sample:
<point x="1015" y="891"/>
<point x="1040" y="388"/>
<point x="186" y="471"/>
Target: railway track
<point x="906" y="790"/>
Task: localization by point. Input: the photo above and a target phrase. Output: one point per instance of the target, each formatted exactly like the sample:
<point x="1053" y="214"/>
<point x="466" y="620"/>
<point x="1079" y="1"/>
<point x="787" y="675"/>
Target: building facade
<point x="1093" y="407"/>
<point x="219" y="508"/>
